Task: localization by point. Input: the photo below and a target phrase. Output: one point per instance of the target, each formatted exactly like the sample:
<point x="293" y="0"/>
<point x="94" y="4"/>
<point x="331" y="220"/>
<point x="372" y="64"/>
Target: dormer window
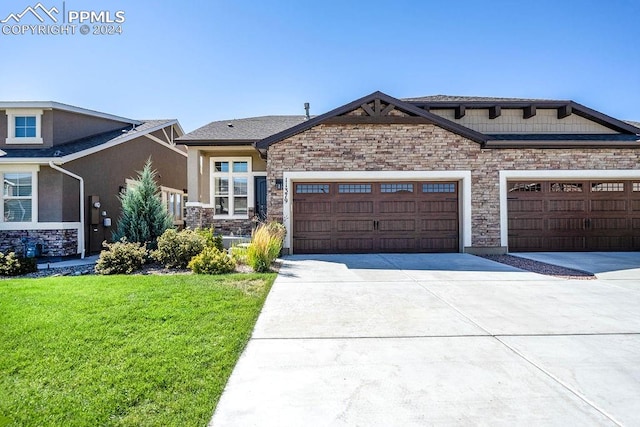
<point x="24" y="126"/>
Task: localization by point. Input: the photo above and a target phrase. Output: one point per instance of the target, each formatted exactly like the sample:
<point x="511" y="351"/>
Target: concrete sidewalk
<point x="402" y="340"/>
<point x="44" y="265"/>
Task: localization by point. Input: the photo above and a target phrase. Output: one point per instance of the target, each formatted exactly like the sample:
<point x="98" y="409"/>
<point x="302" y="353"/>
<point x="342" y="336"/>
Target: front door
<point x="261" y="197"/>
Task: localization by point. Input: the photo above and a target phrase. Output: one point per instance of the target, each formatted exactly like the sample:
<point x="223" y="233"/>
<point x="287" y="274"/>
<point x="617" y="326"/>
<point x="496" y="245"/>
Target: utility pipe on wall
<point x="79" y="178"/>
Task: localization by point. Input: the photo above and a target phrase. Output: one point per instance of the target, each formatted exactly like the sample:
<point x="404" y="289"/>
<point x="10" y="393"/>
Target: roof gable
<point x="378" y="108"/>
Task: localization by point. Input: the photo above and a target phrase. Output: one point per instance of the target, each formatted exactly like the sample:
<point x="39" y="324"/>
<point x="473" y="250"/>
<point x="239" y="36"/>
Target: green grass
<point x="122" y="350"/>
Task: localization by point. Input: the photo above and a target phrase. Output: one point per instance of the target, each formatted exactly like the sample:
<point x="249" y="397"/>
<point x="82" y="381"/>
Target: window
<point x="562" y="187"/>
<point x="354" y="188"/>
<point x="607" y="186"/>
<point x="533" y="187"/>
<point x="24" y="126"/>
<point x="396" y="188"/>
<point x="173" y="200"/>
<point x="17" y="197"/>
<point x="312" y="188"/>
<point x="231" y="186"/>
<point x="439" y="188"/>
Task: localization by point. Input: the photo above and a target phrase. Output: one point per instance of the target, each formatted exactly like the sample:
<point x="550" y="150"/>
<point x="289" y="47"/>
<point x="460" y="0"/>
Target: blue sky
<point x="218" y="60"/>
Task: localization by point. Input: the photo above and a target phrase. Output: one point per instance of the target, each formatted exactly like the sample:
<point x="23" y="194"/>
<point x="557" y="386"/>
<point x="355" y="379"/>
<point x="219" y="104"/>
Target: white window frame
<point x="230" y="175"/>
<point x="179" y="194"/>
<point x="30" y="169"/>
<point x="11" y="126"/>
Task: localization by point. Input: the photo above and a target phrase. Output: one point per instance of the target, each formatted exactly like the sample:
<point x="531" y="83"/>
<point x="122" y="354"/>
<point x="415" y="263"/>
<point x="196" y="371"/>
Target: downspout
<point x="79" y="178"/>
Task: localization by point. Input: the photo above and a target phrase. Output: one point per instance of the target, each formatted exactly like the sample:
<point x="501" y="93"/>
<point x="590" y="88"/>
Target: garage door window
<point x="534" y="187"/>
<point x="354" y="188"/>
<point x="396" y="188"/>
<point x="561" y="187"/>
<point x="439" y="188"/>
<point x="312" y="188"/>
<point x="607" y="186"/>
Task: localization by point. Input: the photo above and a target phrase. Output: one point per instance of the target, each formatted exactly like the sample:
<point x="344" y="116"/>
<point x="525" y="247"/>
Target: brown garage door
<point x="574" y="215"/>
<point x="365" y="217"/>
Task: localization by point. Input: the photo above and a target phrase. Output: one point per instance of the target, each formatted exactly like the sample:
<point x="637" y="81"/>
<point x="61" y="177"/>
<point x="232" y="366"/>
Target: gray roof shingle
<point x="249" y="129"/>
<point x="454" y="98"/>
<point x="83" y="143"/>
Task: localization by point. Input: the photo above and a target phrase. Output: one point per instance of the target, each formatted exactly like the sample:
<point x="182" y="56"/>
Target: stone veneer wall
<point x="56" y="242"/>
<point x="201" y="217"/>
<point x="423" y="147"/>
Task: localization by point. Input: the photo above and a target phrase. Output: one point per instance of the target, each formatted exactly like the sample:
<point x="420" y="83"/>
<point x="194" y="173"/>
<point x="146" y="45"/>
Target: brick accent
<point x="406" y="147"/>
<point x="56" y="242"/>
<point x="201" y="217"/>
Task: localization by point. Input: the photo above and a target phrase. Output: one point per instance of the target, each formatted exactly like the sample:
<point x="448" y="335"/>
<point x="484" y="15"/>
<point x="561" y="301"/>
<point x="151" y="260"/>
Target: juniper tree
<point x="144" y="217"/>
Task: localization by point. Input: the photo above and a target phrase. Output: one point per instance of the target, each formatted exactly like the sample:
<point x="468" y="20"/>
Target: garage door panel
<point x="375" y="217"/>
<point x="397" y="225"/>
<point x="398" y="244"/>
<point x="397" y="206"/>
<point x="439" y="244"/>
<point x="567" y="205"/>
<point x="565" y="224"/>
<point x="575" y="215"/>
<point x="438" y="206"/>
<point x="536" y="205"/>
<point x="609" y="205"/>
<point x="526" y="224"/>
<point x="363" y="207"/>
<point x="312" y="226"/>
<point x="439" y="225"/>
<point x="354" y="245"/>
<point x="354" y="225"/>
<point x="307" y="207"/>
<point x="314" y="246"/>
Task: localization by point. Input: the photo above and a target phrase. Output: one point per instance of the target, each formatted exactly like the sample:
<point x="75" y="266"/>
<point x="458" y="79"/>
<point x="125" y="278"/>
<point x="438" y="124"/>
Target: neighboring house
<point x="430" y="174"/>
<point x="63" y="168"/>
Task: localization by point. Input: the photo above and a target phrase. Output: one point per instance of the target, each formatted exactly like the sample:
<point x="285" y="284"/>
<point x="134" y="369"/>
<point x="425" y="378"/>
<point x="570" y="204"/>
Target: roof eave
<point x="434" y="118"/>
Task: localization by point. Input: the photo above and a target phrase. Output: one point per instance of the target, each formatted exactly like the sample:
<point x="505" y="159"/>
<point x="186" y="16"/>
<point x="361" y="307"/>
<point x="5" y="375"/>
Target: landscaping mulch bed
<point x="541" y="267"/>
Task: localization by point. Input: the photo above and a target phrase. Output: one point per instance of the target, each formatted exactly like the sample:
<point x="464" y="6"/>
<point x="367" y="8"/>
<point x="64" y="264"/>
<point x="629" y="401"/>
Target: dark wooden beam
<point x="564" y="111"/>
<point x="379" y="120"/>
<point x="368" y="109"/>
<point x="460" y="111"/>
<point x="529" y="111"/>
<point x="389" y="108"/>
<point x="376" y="106"/>
<point x="494" y="111"/>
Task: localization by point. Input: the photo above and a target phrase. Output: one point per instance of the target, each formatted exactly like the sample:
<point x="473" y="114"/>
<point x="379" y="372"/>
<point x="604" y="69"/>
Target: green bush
<point x="212" y="261"/>
<point x="266" y="244"/>
<point x="212" y="240"/>
<point x="176" y="248"/>
<point x="13" y="265"/>
<point x="121" y="257"/>
<point x="239" y="253"/>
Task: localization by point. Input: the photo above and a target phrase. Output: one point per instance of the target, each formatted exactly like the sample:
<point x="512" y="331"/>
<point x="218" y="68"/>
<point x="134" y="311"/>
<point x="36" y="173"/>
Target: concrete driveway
<point x="430" y="339"/>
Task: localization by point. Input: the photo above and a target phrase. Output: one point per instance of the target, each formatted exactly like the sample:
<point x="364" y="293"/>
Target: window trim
<point x="230" y="175"/>
<point x="12" y="113"/>
<point x="165" y="191"/>
<point x="33" y="170"/>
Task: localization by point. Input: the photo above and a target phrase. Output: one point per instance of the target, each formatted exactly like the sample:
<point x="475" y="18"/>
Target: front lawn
<point x="122" y="350"/>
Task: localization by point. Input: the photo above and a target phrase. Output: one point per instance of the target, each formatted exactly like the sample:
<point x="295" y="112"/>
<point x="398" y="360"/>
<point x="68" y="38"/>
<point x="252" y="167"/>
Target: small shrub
<point x="212" y="261"/>
<point x="265" y="246"/>
<point x="13" y="265"/>
<point x="121" y="257"/>
<point x="176" y="248"/>
<point x="211" y="239"/>
<point x="239" y="253"/>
